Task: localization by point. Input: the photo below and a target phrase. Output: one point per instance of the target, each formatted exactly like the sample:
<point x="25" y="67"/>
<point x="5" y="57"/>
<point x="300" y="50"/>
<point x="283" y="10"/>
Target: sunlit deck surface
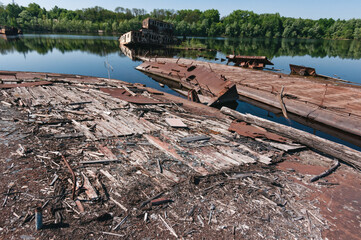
<point x="331" y="102"/>
<point x="151" y="165"/>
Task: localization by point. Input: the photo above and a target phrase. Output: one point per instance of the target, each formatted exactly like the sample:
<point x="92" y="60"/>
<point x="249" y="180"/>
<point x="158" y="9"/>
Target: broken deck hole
<point x="191" y="77"/>
<point x="191" y="68"/>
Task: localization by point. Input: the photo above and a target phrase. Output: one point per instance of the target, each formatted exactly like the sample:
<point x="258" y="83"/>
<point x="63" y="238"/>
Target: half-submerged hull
<point x="195" y="79"/>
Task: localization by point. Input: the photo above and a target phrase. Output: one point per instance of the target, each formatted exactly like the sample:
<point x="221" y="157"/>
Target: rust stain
<point x="339" y="204"/>
<point x="203" y="80"/>
<point x="246" y="130"/>
<point x="256" y="62"/>
<point x="302" y="70"/>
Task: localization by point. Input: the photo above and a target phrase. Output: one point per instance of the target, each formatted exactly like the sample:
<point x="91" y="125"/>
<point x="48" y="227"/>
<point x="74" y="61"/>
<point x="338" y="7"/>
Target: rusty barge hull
<point x="302" y="70"/>
<point x="328" y="102"/>
<point x="200" y="79"/>
<point x="254" y="62"/>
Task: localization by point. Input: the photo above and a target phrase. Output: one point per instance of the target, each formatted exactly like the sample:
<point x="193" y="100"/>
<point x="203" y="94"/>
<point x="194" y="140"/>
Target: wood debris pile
<point x="161" y="170"/>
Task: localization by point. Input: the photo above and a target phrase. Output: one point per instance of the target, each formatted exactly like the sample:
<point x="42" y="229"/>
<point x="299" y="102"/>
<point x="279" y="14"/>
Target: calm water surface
<point x="87" y="55"/>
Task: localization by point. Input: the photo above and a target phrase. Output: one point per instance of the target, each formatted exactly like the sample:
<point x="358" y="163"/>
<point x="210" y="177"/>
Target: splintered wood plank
<point x="150" y="127"/>
<point x="84" y="129"/>
<point x="171" y="151"/>
<point x="216" y="127"/>
<point x="118" y="126"/>
<point x="132" y="124"/>
<point x="55" y="97"/>
<point x="61" y="94"/>
<point x="73" y="96"/>
<point x="213" y="162"/>
<point x="90" y="191"/>
<point x="172" y="176"/>
<point x="283" y="146"/>
<point x="240" y="158"/>
<point x="27" y="98"/>
<point x="259" y="157"/>
<point x="215" y="159"/>
<point x="38" y="96"/>
<point x="115" y="102"/>
<point x="111" y="178"/>
<point x="107" y="152"/>
<point x="100" y="131"/>
<point x="138" y="158"/>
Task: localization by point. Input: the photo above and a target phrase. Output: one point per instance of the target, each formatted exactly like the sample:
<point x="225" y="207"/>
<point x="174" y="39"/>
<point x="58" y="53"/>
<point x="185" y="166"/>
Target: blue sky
<point x="313" y="9"/>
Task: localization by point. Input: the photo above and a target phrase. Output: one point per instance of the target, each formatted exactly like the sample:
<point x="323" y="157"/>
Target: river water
<point x="101" y="56"/>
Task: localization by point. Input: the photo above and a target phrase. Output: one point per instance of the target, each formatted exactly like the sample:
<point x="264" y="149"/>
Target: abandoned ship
<point x="153" y="32"/>
<point x="9" y="30"/>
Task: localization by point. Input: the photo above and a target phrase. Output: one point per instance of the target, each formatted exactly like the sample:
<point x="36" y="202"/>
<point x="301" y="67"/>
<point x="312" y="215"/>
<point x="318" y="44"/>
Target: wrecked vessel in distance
<point x="254" y="62"/>
<point x="153" y="32"/>
<point x="9" y="30"/>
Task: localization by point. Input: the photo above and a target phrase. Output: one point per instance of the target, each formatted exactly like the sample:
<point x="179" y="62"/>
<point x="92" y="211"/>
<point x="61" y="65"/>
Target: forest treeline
<point x="239" y="23"/>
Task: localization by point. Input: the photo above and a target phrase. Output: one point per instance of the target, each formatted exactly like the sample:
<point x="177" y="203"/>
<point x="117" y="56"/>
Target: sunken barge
<point x="197" y="80"/>
<point x="325" y="104"/>
<point x="153" y="33"/>
<point x="9" y="30"/>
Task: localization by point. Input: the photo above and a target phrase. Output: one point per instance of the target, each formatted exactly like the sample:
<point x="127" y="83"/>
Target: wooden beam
<point x="339" y="151"/>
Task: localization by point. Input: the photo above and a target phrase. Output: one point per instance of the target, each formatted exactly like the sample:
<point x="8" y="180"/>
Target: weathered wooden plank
<point x="339" y="151"/>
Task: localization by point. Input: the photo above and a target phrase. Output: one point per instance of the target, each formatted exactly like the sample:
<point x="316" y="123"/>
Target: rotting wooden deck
<point x="330" y="102"/>
<point x="213" y="188"/>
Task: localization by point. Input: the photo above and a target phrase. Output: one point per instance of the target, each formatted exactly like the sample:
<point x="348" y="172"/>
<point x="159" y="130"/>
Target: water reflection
<point x="102" y="45"/>
<point x="350" y="49"/>
<point x="43" y="44"/>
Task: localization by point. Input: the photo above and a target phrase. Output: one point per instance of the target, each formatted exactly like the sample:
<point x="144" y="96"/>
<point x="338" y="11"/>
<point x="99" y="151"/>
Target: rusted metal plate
<point x="126" y="96"/>
<point x="154" y="91"/>
<point x="246" y="130"/>
<point x="249" y="61"/>
<point x="192" y="77"/>
<point x="26" y="84"/>
<point x="302" y="70"/>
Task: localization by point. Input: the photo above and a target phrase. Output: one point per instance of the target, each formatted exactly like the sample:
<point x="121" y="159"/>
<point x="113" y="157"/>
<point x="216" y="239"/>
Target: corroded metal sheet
<point x="193" y="77"/>
<point x="249" y="61"/>
<point x="302" y="70"/>
<point x="246" y="130"/>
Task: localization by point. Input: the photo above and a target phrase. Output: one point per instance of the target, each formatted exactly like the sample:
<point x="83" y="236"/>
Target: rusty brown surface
<point x="126" y="96"/>
<point x="337" y="195"/>
<point x="302" y="70"/>
<point x="249" y="61"/>
<point x="247" y="130"/>
<point x="25" y="84"/>
<point x="329" y="102"/>
<point x="202" y="79"/>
